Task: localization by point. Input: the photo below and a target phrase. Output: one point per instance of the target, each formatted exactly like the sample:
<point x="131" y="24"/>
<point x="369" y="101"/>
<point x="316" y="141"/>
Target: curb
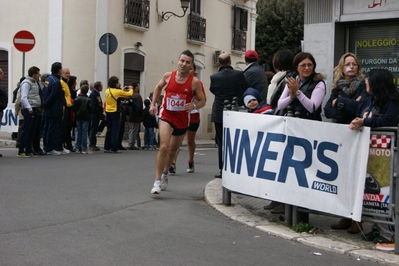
<point x="213" y="196"/>
<point x="7" y="143"/>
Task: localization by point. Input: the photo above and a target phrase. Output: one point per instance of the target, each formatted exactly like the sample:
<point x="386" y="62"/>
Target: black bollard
<point x="297" y="113"/>
<point x="234" y="106"/>
<point x="290" y="111"/>
<point x="225" y="103"/>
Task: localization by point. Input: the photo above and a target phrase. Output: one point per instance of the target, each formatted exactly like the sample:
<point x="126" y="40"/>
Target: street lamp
<point x="184" y="5"/>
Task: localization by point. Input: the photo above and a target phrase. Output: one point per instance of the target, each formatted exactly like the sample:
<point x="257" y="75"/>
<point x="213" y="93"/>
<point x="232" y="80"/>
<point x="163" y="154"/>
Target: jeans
<point x="94" y="125"/>
<point x="149" y="136"/>
<point x="51" y="133"/>
<point x="66" y="128"/>
<point x="28" y="131"/>
<point x="121" y="132"/>
<point x="111" y="138"/>
<point x="38" y="133"/>
<point x="138" y="140"/>
<point x="82" y="127"/>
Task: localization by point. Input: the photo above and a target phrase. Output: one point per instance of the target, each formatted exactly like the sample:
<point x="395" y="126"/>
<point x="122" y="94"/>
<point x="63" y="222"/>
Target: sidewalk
<point x="6" y="141"/>
<point x="249" y="211"/>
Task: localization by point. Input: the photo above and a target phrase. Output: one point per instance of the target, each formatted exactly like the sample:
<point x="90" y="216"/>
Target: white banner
<point x="316" y="165"/>
<point x="9" y="121"/>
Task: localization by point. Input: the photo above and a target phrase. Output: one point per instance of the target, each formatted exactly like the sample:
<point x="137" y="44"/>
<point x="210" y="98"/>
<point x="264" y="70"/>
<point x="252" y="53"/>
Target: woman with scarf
<point x="347" y="91"/>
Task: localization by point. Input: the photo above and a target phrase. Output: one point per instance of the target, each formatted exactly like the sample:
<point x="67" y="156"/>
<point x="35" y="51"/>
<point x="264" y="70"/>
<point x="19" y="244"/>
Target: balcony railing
<point x="137" y="13"/>
<point x="239" y="40"/>
<point x="196" y="28"/>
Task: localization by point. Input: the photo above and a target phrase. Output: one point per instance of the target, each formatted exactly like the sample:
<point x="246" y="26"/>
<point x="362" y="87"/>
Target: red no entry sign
<point x="24" y="41"/>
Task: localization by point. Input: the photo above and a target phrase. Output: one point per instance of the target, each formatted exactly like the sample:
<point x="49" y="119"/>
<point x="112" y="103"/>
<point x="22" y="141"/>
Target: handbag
<point x="120" y="106"/>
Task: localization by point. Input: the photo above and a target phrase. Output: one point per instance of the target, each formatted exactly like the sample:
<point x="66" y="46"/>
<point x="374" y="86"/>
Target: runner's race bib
<point x="175" y="102"/>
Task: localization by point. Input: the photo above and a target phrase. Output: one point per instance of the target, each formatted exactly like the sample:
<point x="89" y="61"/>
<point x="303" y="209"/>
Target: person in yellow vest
<point x="66" y="122"/>
<point x="113" y="112"/>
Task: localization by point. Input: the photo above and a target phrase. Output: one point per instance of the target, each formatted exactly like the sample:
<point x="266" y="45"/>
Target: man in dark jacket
<point x="255" y="74"/>
<point x="225" y="85"/>
<point x="97" y="114"/>
<point x="3" y="99"/>
<point x="135" y="117"/>
<point x="53" y="103"/>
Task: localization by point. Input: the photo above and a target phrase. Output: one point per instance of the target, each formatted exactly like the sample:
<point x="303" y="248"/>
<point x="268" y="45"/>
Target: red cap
<point x="251" y="54"/>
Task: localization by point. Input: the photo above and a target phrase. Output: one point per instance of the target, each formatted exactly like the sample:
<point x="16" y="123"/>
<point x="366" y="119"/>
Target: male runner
<point x="180" y="88"/>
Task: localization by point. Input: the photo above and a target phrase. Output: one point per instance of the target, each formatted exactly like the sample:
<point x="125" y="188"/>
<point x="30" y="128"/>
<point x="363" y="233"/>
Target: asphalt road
<point x="97" y="210"/>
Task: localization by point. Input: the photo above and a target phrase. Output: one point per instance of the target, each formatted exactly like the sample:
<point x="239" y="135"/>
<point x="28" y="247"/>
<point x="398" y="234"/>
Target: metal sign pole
<point x="107" y="49"/>
<point x="23" y="64"/>
<point x="108" y="44"/>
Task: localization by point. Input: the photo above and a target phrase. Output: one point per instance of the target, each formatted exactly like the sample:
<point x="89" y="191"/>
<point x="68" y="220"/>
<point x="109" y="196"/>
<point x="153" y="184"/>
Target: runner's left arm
<point x="198" y="95"/>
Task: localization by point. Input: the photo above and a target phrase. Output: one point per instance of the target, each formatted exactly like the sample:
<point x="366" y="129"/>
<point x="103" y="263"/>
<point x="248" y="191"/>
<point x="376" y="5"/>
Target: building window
<point x="137" y="13"/>
<point x="196" y="25"/>
<point x="240" y="23"/>
<point x="196" y="28"/>
<point x="195" y="7"/>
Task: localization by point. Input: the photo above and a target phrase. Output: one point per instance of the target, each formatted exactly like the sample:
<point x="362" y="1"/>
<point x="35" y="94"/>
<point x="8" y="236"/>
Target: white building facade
<point x="69" y="31"/>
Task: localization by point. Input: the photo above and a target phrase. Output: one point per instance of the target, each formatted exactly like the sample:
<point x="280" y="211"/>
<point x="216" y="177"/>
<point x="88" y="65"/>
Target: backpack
<point x="135" y="112"/>
<point x="133" y="108"/>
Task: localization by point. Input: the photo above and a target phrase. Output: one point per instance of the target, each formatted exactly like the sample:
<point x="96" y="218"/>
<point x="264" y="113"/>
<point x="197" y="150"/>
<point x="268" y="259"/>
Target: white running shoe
<point x="156" y="189"/>
<point x="65" y="151"/>
<point x="54" y="152"/>
<point x="164" y="182"/>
